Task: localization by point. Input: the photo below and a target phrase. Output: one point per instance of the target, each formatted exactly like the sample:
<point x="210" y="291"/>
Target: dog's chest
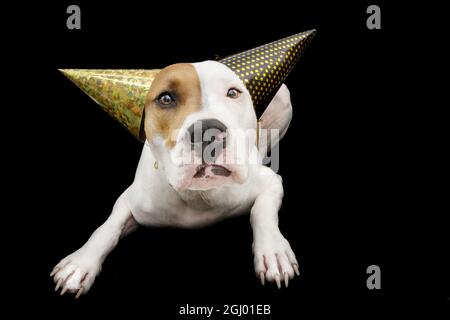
<point x="208" y="207"/>
<point x="189" y="209"/>
<point x="211" y="199"/>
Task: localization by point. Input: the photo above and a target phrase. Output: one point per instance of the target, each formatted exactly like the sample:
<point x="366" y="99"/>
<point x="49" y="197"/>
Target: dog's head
<point x="200" y="123"/>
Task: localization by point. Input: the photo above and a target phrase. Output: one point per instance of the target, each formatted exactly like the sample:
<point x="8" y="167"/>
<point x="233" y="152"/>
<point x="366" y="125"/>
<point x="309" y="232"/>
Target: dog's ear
<point x="142" y="136"/>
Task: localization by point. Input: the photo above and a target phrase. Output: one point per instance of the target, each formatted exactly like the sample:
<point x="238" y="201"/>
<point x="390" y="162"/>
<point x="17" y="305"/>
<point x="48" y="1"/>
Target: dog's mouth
<point x="208" y="170"/>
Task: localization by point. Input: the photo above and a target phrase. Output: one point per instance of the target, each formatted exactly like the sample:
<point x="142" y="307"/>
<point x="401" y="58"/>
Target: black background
<point x="354" y="194"/>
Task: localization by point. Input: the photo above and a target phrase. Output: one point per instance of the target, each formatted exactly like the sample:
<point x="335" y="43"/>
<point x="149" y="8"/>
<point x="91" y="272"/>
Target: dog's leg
<point x="277" y="115"/>
<point x="273" y="257"/>
<point x="76" y="272"/>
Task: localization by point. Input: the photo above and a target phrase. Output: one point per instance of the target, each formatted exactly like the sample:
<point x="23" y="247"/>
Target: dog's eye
<point x="166" y="99"/>
<point x="233" y="93"/>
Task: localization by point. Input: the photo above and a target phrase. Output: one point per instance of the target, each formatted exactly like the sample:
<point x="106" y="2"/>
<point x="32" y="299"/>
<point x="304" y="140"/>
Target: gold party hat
<point x="263" y="69"/>
<point x="121" y="93"/>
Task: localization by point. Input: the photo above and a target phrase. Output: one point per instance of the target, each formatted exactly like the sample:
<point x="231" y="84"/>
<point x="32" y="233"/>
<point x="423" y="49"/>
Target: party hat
<point x="121" y="93"/>
<point x="263" y="69"/>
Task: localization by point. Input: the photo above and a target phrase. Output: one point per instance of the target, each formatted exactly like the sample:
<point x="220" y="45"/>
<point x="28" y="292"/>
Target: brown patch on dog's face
<point x="174" y="94"/>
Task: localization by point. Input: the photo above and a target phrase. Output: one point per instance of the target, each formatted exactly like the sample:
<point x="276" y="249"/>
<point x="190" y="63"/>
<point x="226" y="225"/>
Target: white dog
<point x="175" y="185"/>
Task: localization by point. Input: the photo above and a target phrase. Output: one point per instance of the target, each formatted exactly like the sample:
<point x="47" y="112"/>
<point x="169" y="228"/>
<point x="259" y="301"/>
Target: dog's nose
<point x="208" y="138"/>
<point x="207" y="131"/>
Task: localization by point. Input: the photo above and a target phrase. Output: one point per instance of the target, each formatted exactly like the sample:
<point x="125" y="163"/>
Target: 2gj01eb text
<point x="236" y="310"/>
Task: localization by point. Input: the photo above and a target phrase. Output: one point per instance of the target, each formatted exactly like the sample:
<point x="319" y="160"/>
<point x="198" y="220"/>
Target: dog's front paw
<point x="76" y="272"/>
<point x="274" y="259"/>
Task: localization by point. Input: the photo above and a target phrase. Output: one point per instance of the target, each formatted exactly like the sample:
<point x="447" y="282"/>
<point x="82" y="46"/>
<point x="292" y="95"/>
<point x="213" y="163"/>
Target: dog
<point x="177" y="185"/>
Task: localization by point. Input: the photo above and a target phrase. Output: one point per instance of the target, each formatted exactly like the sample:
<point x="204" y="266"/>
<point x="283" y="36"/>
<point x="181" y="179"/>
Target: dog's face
<point x="200" y="123"/>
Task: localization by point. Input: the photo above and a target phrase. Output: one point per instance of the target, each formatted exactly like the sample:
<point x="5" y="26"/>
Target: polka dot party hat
<point x="121" y="93"/>
<point x="263" y="69"/>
